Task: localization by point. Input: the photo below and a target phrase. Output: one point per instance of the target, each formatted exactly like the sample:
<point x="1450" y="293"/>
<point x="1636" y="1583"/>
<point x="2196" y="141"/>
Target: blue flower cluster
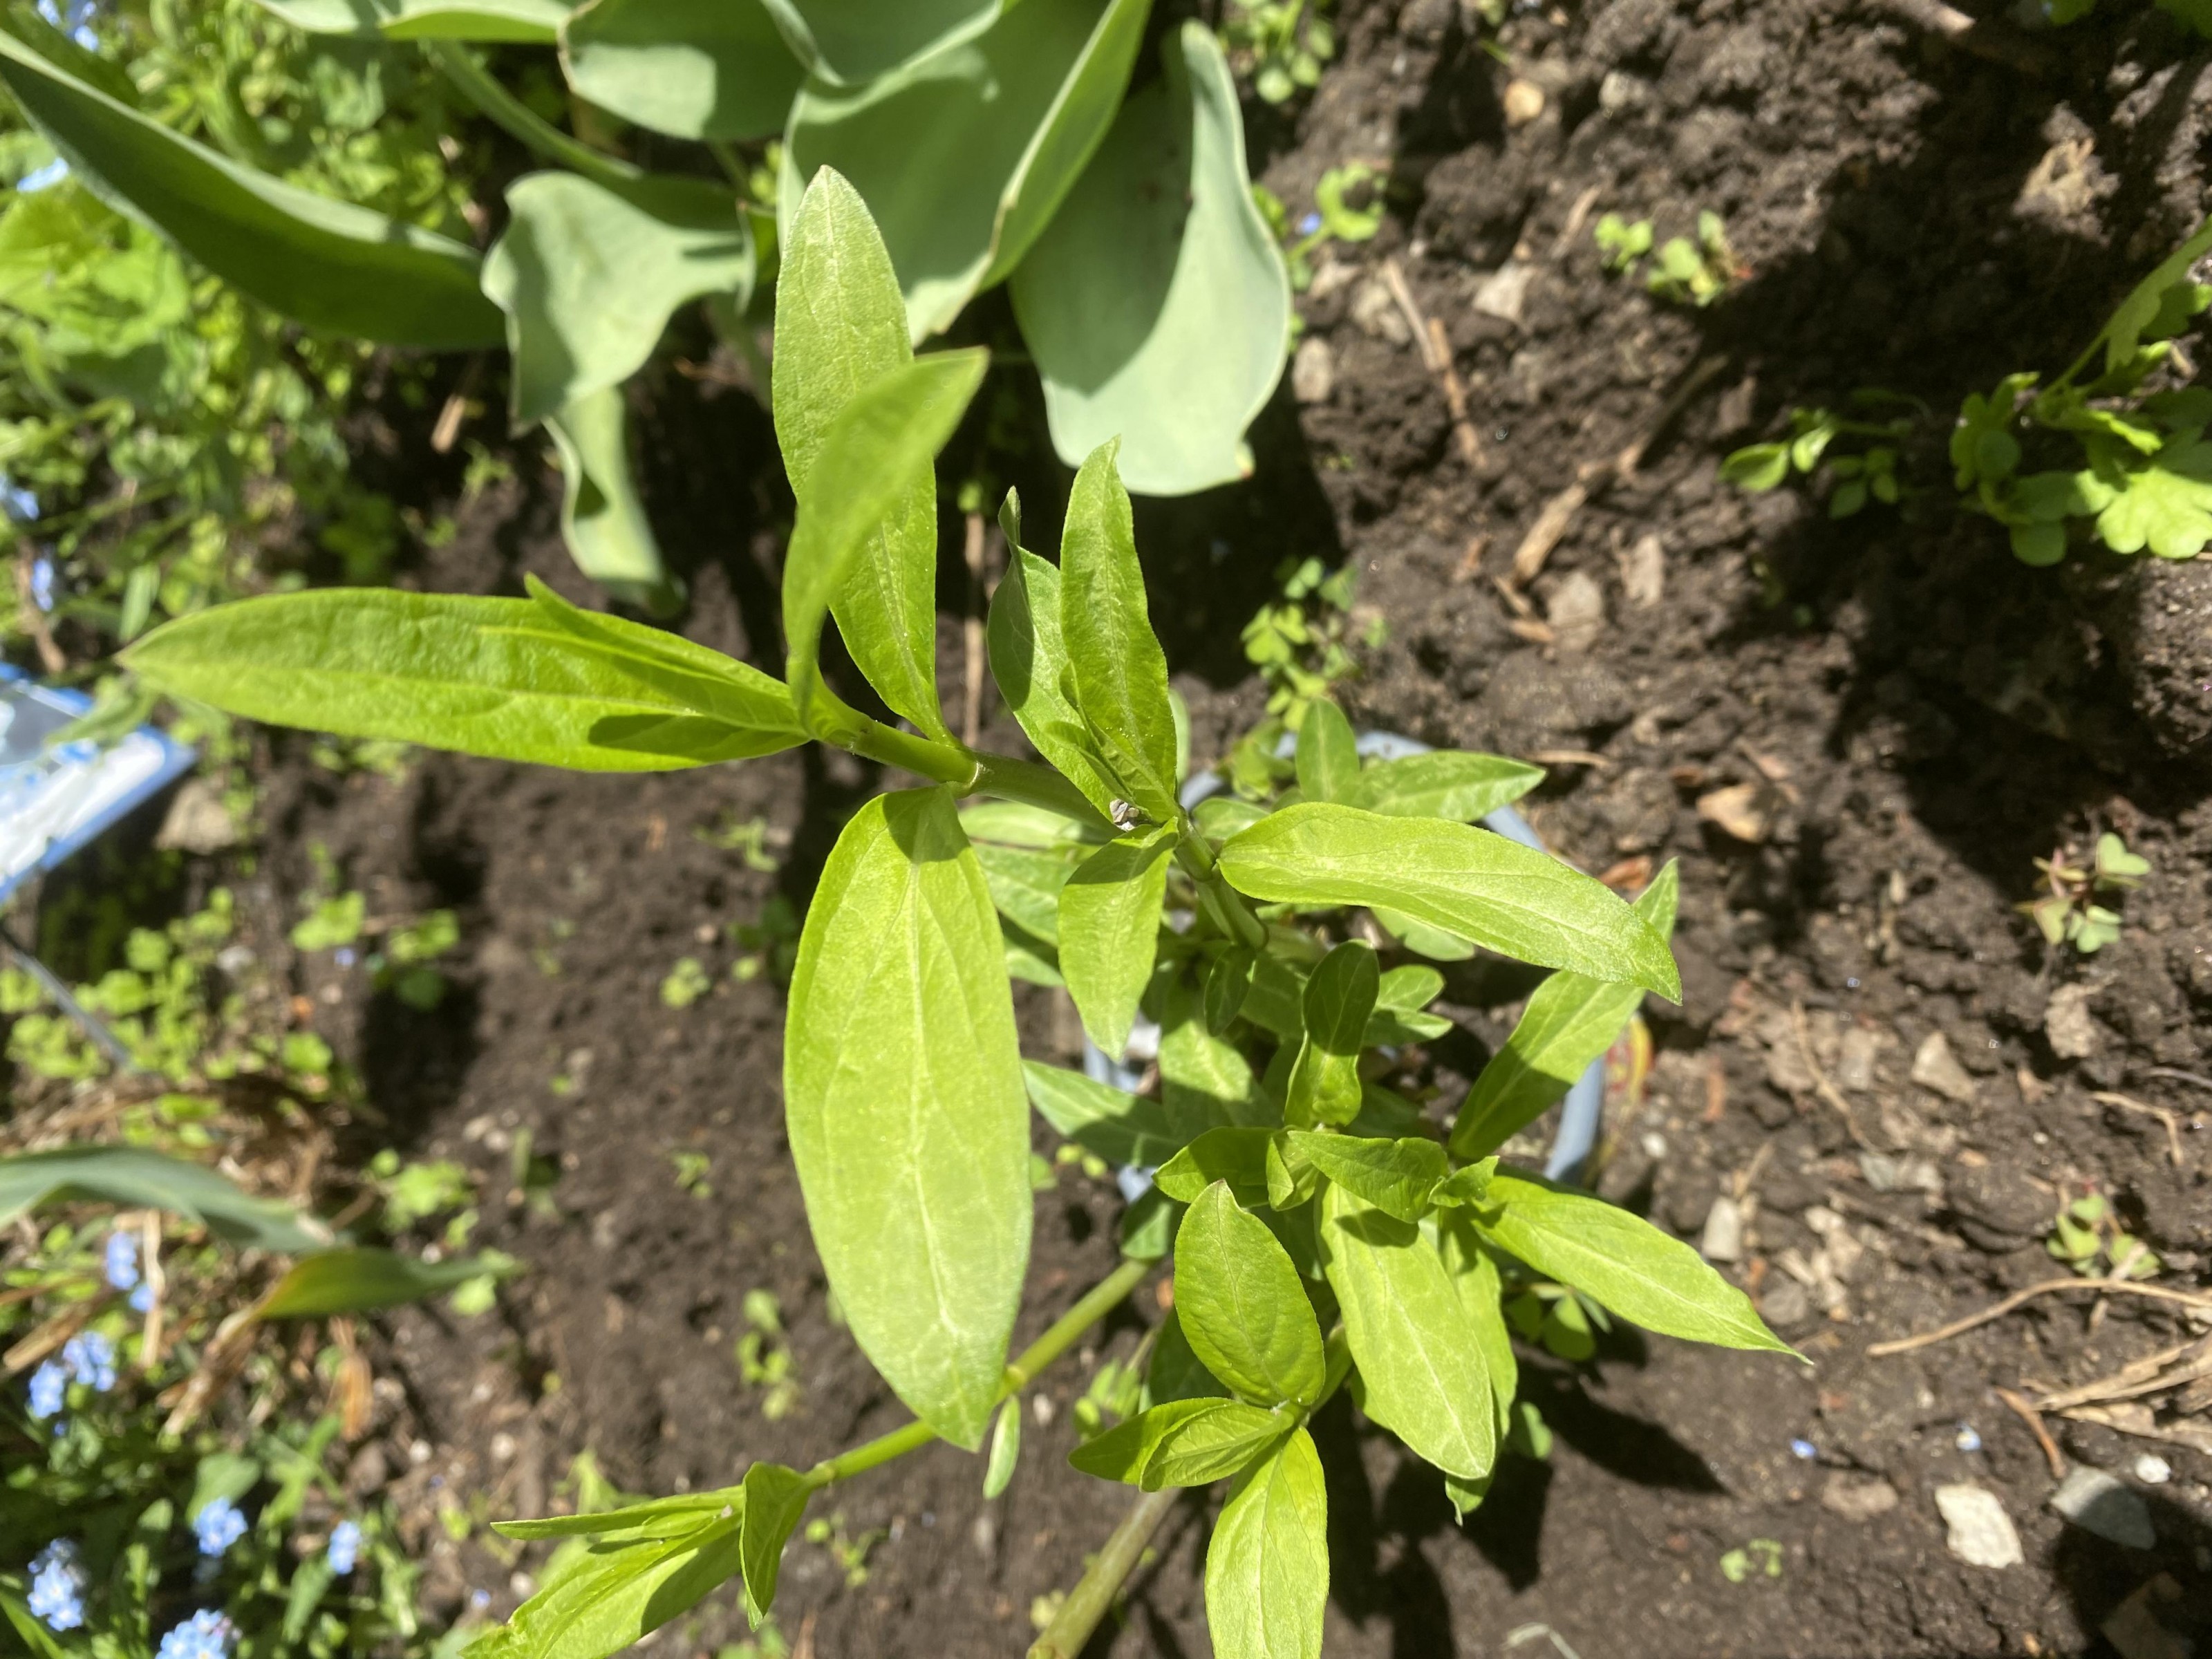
<point x="345" y="1547"/>
<point x="122" y="1262"/>
<point x="47" y="1386"/>
<point x="219" y="1524"/>
<point x="206" y="1635"/>
<point x="58" y="1586"/>
<point x="87" y="1357"/>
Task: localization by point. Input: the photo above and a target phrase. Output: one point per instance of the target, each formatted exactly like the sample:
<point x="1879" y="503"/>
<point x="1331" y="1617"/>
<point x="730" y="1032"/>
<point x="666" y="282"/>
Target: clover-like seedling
<point x="2069" y="911"/>
<point x="1869" y="473"/>
<point x="1621" y="244"/>
<point x="1278" y="938"/>
<point x="1696" y="272"/>
<point x="2087" y="1236"/>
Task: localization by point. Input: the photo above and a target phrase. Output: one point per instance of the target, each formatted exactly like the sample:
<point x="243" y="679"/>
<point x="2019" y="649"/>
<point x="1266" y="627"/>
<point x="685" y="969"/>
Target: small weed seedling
<point x="1759" y="1556"/>
<point x="2087" y="1237"/>
<point x="1620" y="244"/>
<point x="1685" y="272"/>
<point x="1867" y="474"/>
<point x="2070" y="910"/>
<point x="1324" y="1232"/>
<point x="1282" y="44"/>
<point x="686" y="983"/>
<point x="692" y="1170"/>
<point x="764" y="1360"/>
<point x="1334" y="217"/>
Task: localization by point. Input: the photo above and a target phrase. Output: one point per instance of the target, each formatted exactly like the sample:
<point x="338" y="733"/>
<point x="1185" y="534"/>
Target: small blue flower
<point x="345" y="1547"/>
<point x="47" y="1386"/>
<point x="1805" y="1449"/>
<point x="121" y="1264"/>
<point x="344" y="956"/>
<point x="42" y="582"/>
<point x="1309" y="224"/>
<point x="42" y="178"/>
<point x="58" y="1586"/>
<point x="141" y="1299"/>
<point x="206" y="1635"/>
<point x="20" y="504"/>
<point x="90" y="1358"/>
<point x="218" y="1526"/>
<point x="74" y="19"/>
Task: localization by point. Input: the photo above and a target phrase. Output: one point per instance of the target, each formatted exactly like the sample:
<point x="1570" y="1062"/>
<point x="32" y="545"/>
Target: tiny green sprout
<point x="691" y="1172"/>
<point x="1697" y="273"/>
<point x="2067" y="911"/>
<point x="404" y="966"/>
<point x="1113" y="1395"/>
<point x="1334" y="217"/>
<point x="850" y="1552"/>
<point x="1867" y="474"/>
<point x="1761" y="1554"/>
<point x="1283" y="44"/>
<point x="2087" y="1236"/>
<point x="763" y="1355"/>
<point x="331" y="923"/>
<point x="1621" y="244"/>
<point x="750" y="838"/>
<point x="686" y="983"/>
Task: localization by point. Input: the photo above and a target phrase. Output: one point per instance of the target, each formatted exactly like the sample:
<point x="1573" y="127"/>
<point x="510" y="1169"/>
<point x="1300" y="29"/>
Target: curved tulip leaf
<point x="697" y="69"/>
<point x="361" y="1278"/>
<point x="963" y="154"/>
<point x="1156" y="303"/>
<point x="905" y="1106"/>
<point x="850" y="41"/>
<point x="324" y="263"/>
<point x="133" y="1177"/>
<point x="602" y="519"/>
<point x="535" y="21"/>
<point x="499" y="677"/>
<point x="588" y="277"/>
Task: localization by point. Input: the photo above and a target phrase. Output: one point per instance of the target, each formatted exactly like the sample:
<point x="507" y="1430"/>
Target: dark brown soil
<point x="1924" y="714"/>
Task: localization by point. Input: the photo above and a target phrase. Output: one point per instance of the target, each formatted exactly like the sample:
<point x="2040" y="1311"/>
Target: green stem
<point x="1093" y="1595"/>
<point x="484" y="91"/>
<point x="1036" y="786"/>
<point x="1103" y="1297"/>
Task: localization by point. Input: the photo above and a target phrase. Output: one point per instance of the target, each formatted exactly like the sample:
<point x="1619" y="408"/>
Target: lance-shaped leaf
<point x="1465" y="881"/>
<point x="840" y="331"/>
<point x="1570" y="1021"/>
<point x="362" y="1278"/>
<point x="963" y="153"/>
<point x="1622" y="1261"/>
<point x="588" y="277"/>
<point x="1481" y="1293"/>
<point x="1005" y="1450"/>
<point x="1235" y="1154"/>
<point x="1228" y="981"/>
<point x="1029" y="659"/>
<point x="1109" y="927"/>
<point x="611" y="1595"/>
<point x="1242" y="1306"/>
<point x="134" y="1177"/>
<point x="1114" y="659"/>
<point x="1026" y="885"/>
<point x="1446" y="783"/>
<point x="1328" y="755"/>
<point x="904" y="1102"/>
<point x="1205" y="1081"/>
<point x="655" y="1518"/>
<point x="1156" y="302"/>
<point x="602" y="519"/>
<point x="1340" y="996"/>
<point x="856" y="40"/>
<point x="1183" y="1443"/>
<point x="1421" y="1375"/>
<point x="871" y="454"/>
<point x="533" y="21"/>
<point x="775" y="1499"/>
<point x="1276" y="1000"/>
<point x="327" y="264"/>
<point x="1121" y="1128"/>
<point x="1175" y="1372"/>
<point x="1266" y="1566"/>
<point x="697" y="69"/>
<point x="484" y="676"/>
<point x="1396" y="1176"/>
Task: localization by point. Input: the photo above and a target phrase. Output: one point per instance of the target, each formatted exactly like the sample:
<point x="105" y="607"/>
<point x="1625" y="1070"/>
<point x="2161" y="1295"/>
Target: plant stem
<point x="1102" y="1298"/>
<point x="484" y="91"/>
<point x="1093" y="1595"/>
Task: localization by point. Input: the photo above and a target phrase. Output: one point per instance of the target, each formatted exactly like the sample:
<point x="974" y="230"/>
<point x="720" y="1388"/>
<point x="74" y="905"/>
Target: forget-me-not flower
<point x="121" y="1265"/>
<point x="218" y="1526"/>
<point x="141" y="1299"/>
<point x="345" y="1546"/>
<point x="90" y="1358"/>
<point x="42" y="582"/>
<point x="206" y="1635"/>
<point x="73" y="18"/>
<point x="47" y="1384"/>
<point x="57" y="1586"/>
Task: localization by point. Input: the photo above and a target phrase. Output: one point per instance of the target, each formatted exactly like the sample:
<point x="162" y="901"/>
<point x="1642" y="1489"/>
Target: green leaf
<point x="132" y="1177"/>
<point x="611" y="1595"/>
<point x="361" y="1278"/>
<point x="1183" y="1443"/>
<point x="657" y="1518"/>
<point x="1121" y="1128"/>
<point x="1228" y="982"/>
<point x="1006" y="1448"/>
<point x="1340" y="996"/>
<point x="1029" y="660"/>
<point x="1109" y="925"/>
<point x="602" y="519"/>
<point x="1570" y="1021"/>
<point x="879" y="444"/>
<point x="484" y="676"/>
<point x="1156" y="302"/>
<point x="839" y="331"/>
<point x="1241" y="1305"/>
<point x="1327" y="758"/>
<point x="1758" y="467"/>
<point x="1016" y="824"/>
<point x="1519" y="901"/>
<point x="2141" y="314"/>
<point x="696" y="69"/>
<point x="1622" y="1261"/>
<point x="775" y="1498"/>
<point x="1205" y="1081"/>
<point x="1408" y="988"/>
<point x="1276" y="1001"/>
<point x="1175" y="1372"/>
<point x="2164" y="504"/>
<point x="963" y="153"/>
<point x="1445" y="783"/>
<point x="856" y="40"/>
<point x="1419" y="1374"/>
<point x="1266" y="1566"/>
<point x="1026" y="885"/>
<point x="905" y="1106"/>
<point x="1119" y="673"/>
<point x="1235" y="1153"/>
<point x="1395" y="1176"/>
<point x="535" y="21"/>
<point x="327" y="264"/>
<point x="1481" y="1292"/>
<point x="589" y="275"/>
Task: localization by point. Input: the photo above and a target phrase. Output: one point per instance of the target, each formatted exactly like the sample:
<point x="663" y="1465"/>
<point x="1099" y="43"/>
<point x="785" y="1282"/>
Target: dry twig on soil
<point x="1436" y="357"/>
<point x="2130" y="1104"/>
<point x="2028" y="1414"/>
<point x="1998" y="1310"/>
